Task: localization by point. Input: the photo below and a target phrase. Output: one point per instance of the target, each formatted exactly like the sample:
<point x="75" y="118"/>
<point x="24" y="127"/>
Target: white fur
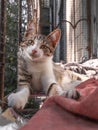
<point x="19" y="99"/>
<point x="43" y="76"/>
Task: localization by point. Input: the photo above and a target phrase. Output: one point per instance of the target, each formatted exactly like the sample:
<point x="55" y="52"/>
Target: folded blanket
<point x="59" y="113"/>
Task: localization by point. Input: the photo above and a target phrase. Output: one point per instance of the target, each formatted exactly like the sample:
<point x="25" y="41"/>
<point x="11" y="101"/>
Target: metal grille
<point x="72" y="16"/>
<point x="45" y="17"/>
<point x="45" y="3"/>
<point x="77" y="35"/>
<point x="2" y="45"/>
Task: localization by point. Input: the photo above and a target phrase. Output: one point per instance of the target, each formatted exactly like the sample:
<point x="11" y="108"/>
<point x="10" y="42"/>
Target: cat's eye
<point x="30" y="42"/>
<point x="43" y="47"/>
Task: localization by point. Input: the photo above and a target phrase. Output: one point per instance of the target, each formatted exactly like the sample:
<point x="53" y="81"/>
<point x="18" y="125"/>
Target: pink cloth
<point x="59" y="113"/>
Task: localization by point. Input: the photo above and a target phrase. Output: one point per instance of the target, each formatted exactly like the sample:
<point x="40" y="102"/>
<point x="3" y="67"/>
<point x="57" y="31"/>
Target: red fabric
<point x="59" y="113"/>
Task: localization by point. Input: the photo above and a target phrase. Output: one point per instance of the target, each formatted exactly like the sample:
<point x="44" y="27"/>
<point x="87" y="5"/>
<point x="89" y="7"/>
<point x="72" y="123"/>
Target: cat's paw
<point x="71" y="93"/>
<point x="17" y="101"/>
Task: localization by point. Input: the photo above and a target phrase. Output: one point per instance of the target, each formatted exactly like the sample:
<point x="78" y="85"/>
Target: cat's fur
<point x="38" y="72"/>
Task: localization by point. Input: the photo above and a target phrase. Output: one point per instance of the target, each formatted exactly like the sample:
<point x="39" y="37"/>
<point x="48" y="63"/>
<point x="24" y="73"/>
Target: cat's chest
<point x="42" y="75"/>
<point x="34" y="70"/>
<point x="36" y="73"/>
<point x="36" y="81"/>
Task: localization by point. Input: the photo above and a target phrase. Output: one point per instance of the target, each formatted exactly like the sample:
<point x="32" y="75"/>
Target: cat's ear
<point x="31" y="30"/>
<point x="54" y="37"/>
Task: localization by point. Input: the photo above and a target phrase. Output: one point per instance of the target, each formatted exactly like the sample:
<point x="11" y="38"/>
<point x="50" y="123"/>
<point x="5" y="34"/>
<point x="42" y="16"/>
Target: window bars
<point x="2" y="45"/>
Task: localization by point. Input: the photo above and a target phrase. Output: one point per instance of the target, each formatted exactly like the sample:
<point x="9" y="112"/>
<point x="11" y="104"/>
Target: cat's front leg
<point x="19" y="99"/>
<point x="55" y="89"/>
<point x="71" y="93"/>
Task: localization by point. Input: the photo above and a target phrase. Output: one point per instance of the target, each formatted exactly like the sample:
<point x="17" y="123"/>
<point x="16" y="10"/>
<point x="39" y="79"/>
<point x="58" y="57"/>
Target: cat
<point x="37" y="71"/>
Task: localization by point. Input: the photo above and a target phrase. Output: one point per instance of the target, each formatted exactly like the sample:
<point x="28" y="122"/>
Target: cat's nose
<point x="34" y="52"/>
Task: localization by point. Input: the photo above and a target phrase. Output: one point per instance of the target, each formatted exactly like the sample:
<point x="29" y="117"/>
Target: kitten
<point x="37" y="71"/>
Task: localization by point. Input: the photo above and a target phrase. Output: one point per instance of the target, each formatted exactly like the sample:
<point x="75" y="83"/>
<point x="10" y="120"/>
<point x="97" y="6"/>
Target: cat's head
<point x="38" y="46"/>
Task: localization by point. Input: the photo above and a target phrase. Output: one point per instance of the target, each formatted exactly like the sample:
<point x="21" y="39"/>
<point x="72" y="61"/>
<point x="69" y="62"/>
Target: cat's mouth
<point x="35" y="56"/>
